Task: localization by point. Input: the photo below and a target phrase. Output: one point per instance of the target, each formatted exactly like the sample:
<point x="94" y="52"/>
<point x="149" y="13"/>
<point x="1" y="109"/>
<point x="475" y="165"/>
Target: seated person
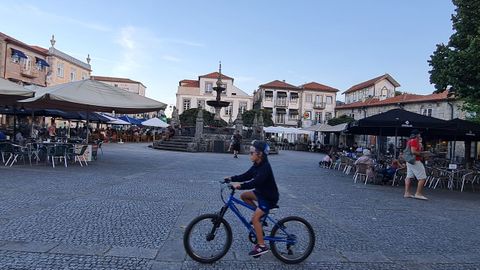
<point x="19" y="138"/>
<point x="326" y="161"/>
<point x="367" y="160"/>
<point x="389" y="172"/>
<point x="3" y="137"/>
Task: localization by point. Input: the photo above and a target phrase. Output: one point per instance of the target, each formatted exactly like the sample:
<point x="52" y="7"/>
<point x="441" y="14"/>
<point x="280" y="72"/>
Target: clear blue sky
<point x="338" y="43"/>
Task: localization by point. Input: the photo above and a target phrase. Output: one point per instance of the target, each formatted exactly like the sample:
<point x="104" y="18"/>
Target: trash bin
<point x="218" y="147"/>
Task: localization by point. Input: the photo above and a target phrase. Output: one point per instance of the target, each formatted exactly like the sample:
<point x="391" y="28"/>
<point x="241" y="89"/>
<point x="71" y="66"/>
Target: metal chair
<point x="80" y="156"/>
<point x="59" y="152"/>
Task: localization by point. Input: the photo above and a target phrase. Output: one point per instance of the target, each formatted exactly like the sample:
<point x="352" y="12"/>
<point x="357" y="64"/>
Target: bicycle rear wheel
<point x="296" y="240"/>
<point x="205" y="244"/>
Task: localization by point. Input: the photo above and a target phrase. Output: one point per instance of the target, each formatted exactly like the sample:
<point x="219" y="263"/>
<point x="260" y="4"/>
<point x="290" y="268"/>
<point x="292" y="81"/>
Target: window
<point x="268" y="95"/>
<point x="243" y="107"/>
<point x="186" y="104"/>
<point x="84" y="76"/>
<point x="26" y="63"/>
<point x="73" y="74"/>
<point x="329" y="100"/>
<point x="308" y="98"/>
<point x="228" y="110"/>
<point x="15" y="58"/>
<point x="201" y="103"/>
<point x="293" y="97"/>
<point x="115" y="84"/>
<point x="318" y="99"/>
<point x="280" y="118"/>
<point x="60" y="70"/>
<point x="208" y="87"/>
<point x="427" y="112"/>
<point x="318" y="117"/>
<point x="384" y="91"/>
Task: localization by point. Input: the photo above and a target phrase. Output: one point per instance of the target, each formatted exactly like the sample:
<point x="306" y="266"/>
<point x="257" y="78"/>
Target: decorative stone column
<point x="261" y="134"/>
<point x="239" y="122"/>
<point x="255" y="127"/>
<point x="199" y="125"/>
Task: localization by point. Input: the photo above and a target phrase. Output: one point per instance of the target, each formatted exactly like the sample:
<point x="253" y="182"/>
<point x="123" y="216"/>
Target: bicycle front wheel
<point x="293" y="240"/>
<point x="207" y="238"/>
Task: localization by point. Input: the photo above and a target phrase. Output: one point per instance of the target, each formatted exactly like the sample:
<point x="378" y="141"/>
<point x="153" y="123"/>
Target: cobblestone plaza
<point x="128" y="210"/>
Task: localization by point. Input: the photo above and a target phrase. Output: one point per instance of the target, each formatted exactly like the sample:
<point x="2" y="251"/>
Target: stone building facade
<point x="123" y="83"/>
<point x="195" y="94"/>
<point x="294" y="106"/>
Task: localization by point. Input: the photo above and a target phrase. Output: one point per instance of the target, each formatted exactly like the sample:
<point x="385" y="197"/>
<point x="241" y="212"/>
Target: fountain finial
<point x="219" y="81"/>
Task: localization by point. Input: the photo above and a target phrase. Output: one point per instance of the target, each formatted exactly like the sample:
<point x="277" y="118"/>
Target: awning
<point x="268" y="93"/>
<point x="293" y="111"/>
<point x="10" y="92"/>
<point x="281" y="111"/>
<point x="91" y="96"/>
<point x="333" y="129"/>
<point x="18" y="53"/>
<point x="293" y="95"/>
<point x="155" y="122"/>
<point x="131" y="120"/>
<point x="281" y="94"/>
<point x="42" y="62"/>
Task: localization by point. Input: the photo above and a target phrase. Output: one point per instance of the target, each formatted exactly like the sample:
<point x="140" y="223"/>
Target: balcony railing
<point x="29" y="72"/>
<point x="319" y="105"/>
<point x="282" y="102"/>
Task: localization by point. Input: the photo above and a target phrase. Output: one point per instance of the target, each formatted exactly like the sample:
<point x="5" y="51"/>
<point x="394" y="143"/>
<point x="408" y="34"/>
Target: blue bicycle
<point x="209" y="237"/>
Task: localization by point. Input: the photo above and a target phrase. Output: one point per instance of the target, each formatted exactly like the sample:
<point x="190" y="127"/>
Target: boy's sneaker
<point x="258" y="250"/>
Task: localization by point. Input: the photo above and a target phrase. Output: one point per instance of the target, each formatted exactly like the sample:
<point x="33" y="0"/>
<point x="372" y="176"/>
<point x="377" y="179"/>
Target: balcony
<point x="281" y="102"/>
<point x="29" y="72"/>
<point x="319" y="105"/>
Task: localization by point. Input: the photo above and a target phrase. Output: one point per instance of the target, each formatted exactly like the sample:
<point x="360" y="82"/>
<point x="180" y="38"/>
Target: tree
<point x="456" y="65"/>
<point x="340" y="120"/>
<point x="248" y="117"/>
<point x="189" y="118"/>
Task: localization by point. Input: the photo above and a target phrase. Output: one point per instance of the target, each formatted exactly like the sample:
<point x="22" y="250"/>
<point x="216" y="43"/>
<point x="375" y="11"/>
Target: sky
<point x="337" y="43"/>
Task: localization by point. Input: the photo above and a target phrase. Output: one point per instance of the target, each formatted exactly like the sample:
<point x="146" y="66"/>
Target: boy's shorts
<point x="263" y="204"/>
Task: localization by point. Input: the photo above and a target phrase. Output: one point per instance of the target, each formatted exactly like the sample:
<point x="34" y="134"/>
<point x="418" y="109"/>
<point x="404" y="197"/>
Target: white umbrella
<point x="155" y="122"/>
<point x="11" y="92"/>
<point x="91" y="95"/>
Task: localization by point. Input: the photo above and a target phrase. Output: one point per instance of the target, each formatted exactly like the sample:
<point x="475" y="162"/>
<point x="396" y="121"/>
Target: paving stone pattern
<point x="128" y="210"/>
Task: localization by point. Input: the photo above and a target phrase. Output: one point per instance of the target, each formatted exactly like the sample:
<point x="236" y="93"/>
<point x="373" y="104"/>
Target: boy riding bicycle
<point x="265" y="192"/>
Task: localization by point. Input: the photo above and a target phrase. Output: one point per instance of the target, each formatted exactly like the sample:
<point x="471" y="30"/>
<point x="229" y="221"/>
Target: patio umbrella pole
<point x="395" y="148"/>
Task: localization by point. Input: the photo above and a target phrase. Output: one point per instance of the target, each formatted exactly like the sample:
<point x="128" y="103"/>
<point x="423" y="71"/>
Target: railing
<point x="282" y="102"/>
<point x="319" y="105"/>
<point x="29" y="72"/>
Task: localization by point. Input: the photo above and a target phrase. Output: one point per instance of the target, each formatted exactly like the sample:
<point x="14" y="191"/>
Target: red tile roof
<point x="372" y="82"/>
<point x="189" y="83"/>
<point x="317" y="87"/>
<point x="114" y="79"/>
<point x="40" y="49"/>
<point x="22" y="44"/>
<point x="279" y="85"/>
<point x="400" y="99"/>
<point x="214" y="75"/>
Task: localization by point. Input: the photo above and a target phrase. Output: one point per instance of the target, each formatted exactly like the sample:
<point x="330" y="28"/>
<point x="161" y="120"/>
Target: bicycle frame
<point x="231" y="204"/>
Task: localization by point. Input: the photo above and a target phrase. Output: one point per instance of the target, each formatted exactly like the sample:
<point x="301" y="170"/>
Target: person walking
<point x="236" y="141"/>
<point x="415" y="166"/>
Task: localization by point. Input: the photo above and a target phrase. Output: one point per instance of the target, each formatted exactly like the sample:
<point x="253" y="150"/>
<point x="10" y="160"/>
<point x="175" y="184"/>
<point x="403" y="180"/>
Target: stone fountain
<point x="217" y="103"/>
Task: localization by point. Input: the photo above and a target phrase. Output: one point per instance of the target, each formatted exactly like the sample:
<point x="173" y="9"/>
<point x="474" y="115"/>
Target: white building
<point x="123" y="83"/>
<point x="195" y="94"/>
<point x="291" y="105"/>
<point x="381" y="87"/>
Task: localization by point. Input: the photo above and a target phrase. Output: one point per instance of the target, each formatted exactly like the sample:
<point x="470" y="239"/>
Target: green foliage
<point x="248" y="117"/>
<point x="340" y="120"/>
<point x="455" y="65"/>
<point x="398" y="93"/>
<point x="189" y="118"/>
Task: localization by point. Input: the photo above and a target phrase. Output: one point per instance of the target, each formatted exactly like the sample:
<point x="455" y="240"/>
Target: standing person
<point x="265" y="192"/>
<point x="52" y="130"/>
<point x="417" y="169"/>
<point x="236" y="141"/>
